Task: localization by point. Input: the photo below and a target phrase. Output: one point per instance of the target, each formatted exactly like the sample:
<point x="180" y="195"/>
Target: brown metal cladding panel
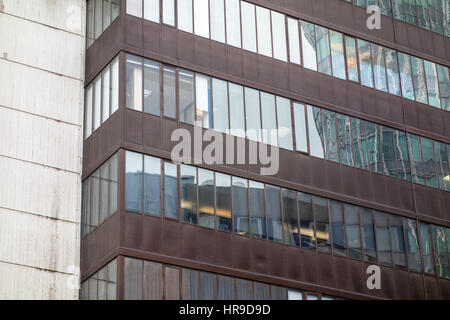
<point x="265" y="70"/>
<point x="310" y="84"/>
<point x="426" y="118"/>
<point x="295" y="74"/>
<point x="349" y="185"/>
<point x="234" y="61"/>
<point x="259" y="256"/>
<point x="318" y="173"/>
<point x="206" y="244"/>
<point x="168" y="41"/>
<point x="389" y="106"/>
<point x="444" y="286"/>
<point x="327" y="270"/>
<point x="333" y="173"/>
<point x="292" y="4"/>
<point x="416" y="289"/>
<point x="133" y="126"/>
<point x="342" y="266"/>
<point x="293" y="265"/>
<point x="186" y="50"/>
<point x="240" y="254"/>
<point x="354" y="95"/>
<point x="202" y="53"/>
<point x="168" y="126"/>
<point x="428" y="201"/>
<point x="133" y="31"/>
<point x="402" y="285"/>
<point x="250" y="66"/>
<point x="219" y="54"/>
<point x="133" y="229"/>
<point x="340" y="93"/>
<point x="308" y="266"/>
<point x="171" y="237"/>
<point x="151" y="131"/>
<point x="188" y="234"/>
<point x="326" y="88"/>
<point x="224" y="251"/>
<point x="432" y="288"/>
<point x="368" y="100"/>
<point x="151" y="36"/>
<point x="277" y="260"/>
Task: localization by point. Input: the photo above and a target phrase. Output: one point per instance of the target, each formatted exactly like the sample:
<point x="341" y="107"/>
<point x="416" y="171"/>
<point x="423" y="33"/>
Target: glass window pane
<point x="440" y="251"/>
<point x="308" y="236"/>
<point x="133" y="279"/>
<point x="237" y="119"/>
<point x="379" y="67"/>
<point x="294" y="295"/>
<point x="432" y="84"/>
<point x="113" y="173"/>
<point x="383" y="238"/>
<point x="427" y="251"/>
<point x="444" y="85"/>
<point x="106" y="88"/>
<point x="151" y="10"/>
<point x="240" y="206"/>
<point x="388" y="153"/>
<point x="88" y="112"/>
<point x="97" y="102"/>
<point x="191" y="279"/>
<point x="323" y="50"/>
<point x="294" y="41"/>
<point x="115" y="10"/>
<point x="352" y="60"/>
<point x="206" y="198"/>
<point x="220" y="98"/>
<point x="262" y="291"/>
<point x="170" y="190"/>
<point x="278" y="293"/>
<point x="151" y="87"/>
<point x="402" y="155"/>
<point x="134" y="7"/>
<point x="188" y="186"/>
<point x="226" y="288"/>
<point x="352" y="228"/>
<point x="134" y="83"/>
<point x="90" y="23"/>
<point x="429" y="162"/>
<point x="284" y="123"/>
<point x="98" y="18"/>
<point x="153" y="281"/>
<point x="443" y="165"/>
<point x="169" y="92"/>
<point x="410" y="11"/>
<point x="257" y="211"/>
<point x="264" y="32"/>
<point x="104" y="190"/>
<point x="312" y="297"/>
<point x="406" y="75"/>
<point x="300" y="127"/>
<point x="398" y="9"/>
<point x="393" y="75"/>
<point x="186" y="96"/>
<point x="208" y="286"/>
<point x="368" y="235"/>
<point x="338" y="228"/>
<point x="223" y="202"/>
<point x="344" y="139"/>
<point x="115" y="86"/>
<point x="385" y="7"/>
<point x="217" y="12"/>
<point x="201" y="18"/>
<point x="279" y="36"/>
<point x="365" y="63"/>
<point x="359" y="143"/>
<point x="168" y="12"/>
<point x="316" y="142"/>
<point x="308" y="45"/>
<point x="269" y="120"/>
<point x="331" y="150"/>
<point x="233" y="19"/>
<point x="273" y="207"/>
<point x="253" y="114"/>
<point x="152" y="186"/>
<point x="398" y="243"/>
<point x="185" y="14"/>
<point x="412" y="245"/>
<point x="244" y="289"/>
<point x="337" y="54"/>
<point x="418" y="73"/>
<point x="249" y="26"/>
<point x="416" y="159"/>
<point x="133" y="184"/>
<point x="373" y="146"/>
<point x="203" y="96"/>
<point x="322" y="224"/>
<point x="172" y="283"/>
<point x="95" y="196"/>
<point x="290" y="227"/>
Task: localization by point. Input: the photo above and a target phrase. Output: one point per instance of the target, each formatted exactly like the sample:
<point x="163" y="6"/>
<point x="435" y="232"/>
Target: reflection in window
<point x="201" y="18"/>
<point x="316" y="143"/>
<point x="203" y="98"/>
<point x="168" y="8"/>
<point x="206" y="198"/>
<point x="172" y="283"/>
<point x="427" y="251"/>
<point x="398" y="243"/>
<point x="223" y="202"/>
<point x="240" y="206"/>
<point x="133" y="184"/>
<point x="443" y="165"/>
<point x="97" y="102"/>
<point x="257" y="210"/>
<point x="373" y="146"/>
<point x="273" y="207"/>
<point x="190" y="283"/>
<point x="88" y="113"/>
<point x="269" y="119"/>
<point x="308" y="236"/>
<point x="323" y="50"/>
<point x="418" y="73"/>
<point x="344" y="140"/>
<point x="290" y="227"/>
<point x="359" y="143"/>
<point x="253" y="114"/>
<point x="387" y="151"/>
<point x="226" y="288"/>
<point x="322" y="224"/>
<point x="233" y="19"/>
<point x="104" y="177"/>
<point x="152" y="186"/>
<point x="338" y="228"/>
<point x="353" y="234"/>
<point x="264" y="32"/>
<point x="379" y="67"/>
<point x="208" y="286"/>
<point x="152" y="103"/>
<point x="406" y="75"/>
<point x="365" y="63"/>
<point x="294" y="295"/>
<point x="220" y="98"/>
<point x="184" y="10"/>
<point x="284" y="123"/>
<point x="444" y="86"/>
<point x="368" y="235"/>
<point x="217" y="12"/>
<point x="337" y="54"/>
<point x="106" y="84"/>
<point x="188" y="186"/>
<point x="308" y="45"/>
<point x="393" y="75"/>
<point x="294" y="41"/>
<point x="169" y="92"/>
<point x="134" y="7"/>
<point x="186" y="96"/>
<point x="383" y="238"/>
<point x="416" y="159"/>
<point x="331" y="151"/>
<point x="237" y="121"/>
<point x="352" y="59"/>
<point x="170" y="190"/>
<point x="300" y="127"/>
<point x="429" y="162"/>
<point x="279" y="36"/>
<point x="151" y="10"/>
<point x="412" y="245"/>
<point x="432" y="84"/>
<point x="440" y="251"/>
<point x="249" y="26"/>
<point x="402" y="155"/>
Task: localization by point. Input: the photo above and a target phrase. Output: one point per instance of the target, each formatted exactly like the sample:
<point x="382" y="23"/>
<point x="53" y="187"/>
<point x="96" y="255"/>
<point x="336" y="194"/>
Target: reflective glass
<point x="279" y="36"/>
<point x="338" y="228"/>
<point x="106" y="89"/>
<point x="305" y="207"/>
<point x="134" y="7"/>
<point x="168" y="15"/>
<point x="359" y="143"/>
<point x="322" y="224"/>
<point x="379" y="67"/>
<point x="269" y="120"/>
<point x="383" y="238"/>
<point x="223" y="202"/>
<point x="323" y="50"/>
<point x="170" y="190"/>
<point x="201" y="18"/>
<point x="253" y="114"/>
<point x="368" y="235"/>
<point x="416" y="159"/>
<point x="264" y="32"/>
<point x="301" y="138"/>
<point x="412" y="245"/>
<point x="373" y="146"/>
<point x="249" y="26"/>
<point x="169" y="92"/>
<point x="432" y="84"/>
<point x="273" y="207"/>
<point x="398" y="242"/>
<point x="284" y="123"/>
<point x="308" y="45"/>
<point x="240" y="206"/>
<point x="387" y="151"/>
<point x="220" y="98"/>
<point x="331" y="147"/>
<point x="353" y="233"/>
<point x="186" y="96"/>
<point x="365" y="63"/>
<point x="152" y="186"/>
<point x="217" y="13"/>
<point x="316" y="142"/>
<point x="406" y="75"/>
<point x="233" y="19"/>
<point x="429" y="162"/>
<point x="294" y="41"/>
<point x="206" y="198"/>
<point x="393" y="75"/>
<point x="443" y="165"/>
<point x="402" y="155"/>
<point x="344" y="139"/>
<point x="237" y="120"/>
<point x="257" y="211"/>
<point x="152" y="88"/>
<point x="444" y="85"/>
<point x="133" y="182"/>
<point x="290" y="226"/>
<point x="352" y="59"/>
<point x="203" y="100"/>
<point x="188" y="186"/>
<point x="427" y="249"/>
<point x="418" y="73"/>
<point x="337" y="54"/>
<point x="185" y="15"/>
<point x="440" y="251"/>
<point x="151" y="10"/>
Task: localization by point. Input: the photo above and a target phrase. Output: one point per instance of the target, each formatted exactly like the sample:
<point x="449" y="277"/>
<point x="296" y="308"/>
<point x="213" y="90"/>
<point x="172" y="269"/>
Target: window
<point x="233" y="19"/>
<point x="365" y="63"/>
<point x="257" y="210"/>
<point x="244" y="289"/>
<point x="290" y="226"/>
<point x="323" y="50"/>
<point x="152" y="287"/>
<point x="152" y="103"/>
<point x="278" y="293"/>
<point x="186" y="96"/>
<point x="133" y="184"/>
<point x="98" y="18"/>
<point x="220" y="98"/>
<point x="106" y="14"/>
<point x="134" y="7"/>
<point x="338" y="228"/>
<point x="294" y="41"/>
<point x="429" y="162"/>
<point x="203" y="96"/>
<point x="97" y="102"/>
<point x="273" y="207"/>
<point x="134" y="83"/>
<point x="190" y="284"/>
<point x="316" y="143"/>
<point x="169" y="92"/>
<point x="269" y="120"/>
<point x="440" y="251"/>
<point x="359" y="143"/>
<point x="353" y="234"/>
<point x="412" y="245"/>
<point x="201" y="18"/>
<point x="206" y="198"/>
<point x="237" y="120"/>
<point x="322" y="224"/>
<point x="337" y="54"/>
<point x="152" y="186"/>
<point x="106" y="85"/>
<point x="284" y="123"/>
<point x="373" y="147"/>
<point x="398" y="10"/>
<point x="444" y="86"/>
<point x="427" y="251"/>
<point x="253" y="115"/>
<point x="226" y="288"/>
<point x="388" y="153"/>
<point x="217" y="12"/>
<point x="300" y="127"/>
<point x="151" y="10"/>
<point x="398" y="242"/>
<point x="383" y="238"/>
<point x="262" y="291"/>
<point x="406" y="75"/>
<point x="402" y="155"/>
<point x="368" y="235"/>
<point x="432" y="84"/>
<point x="308" y="45"/>
<point x="104" y="189"/>
<point x="308" y="236"/>
<point x="223" y="202"/>
<point x="410" y="11"/>
<point x="294" y="295"/>
<point x="352" y="60"/>
<point x="168" y="7"/>
<point x="344" y="139"/>
<point x="418" y="73"/>
<point x="248" y="26"/>
<point x="331" y="148"/>
<point x="264" y="32"/>
<point x="240" y="206"/>
<point x="115" y="85"/>
<point x="188" y="187"/>
<point x="443" y="165"/>
<point x="113" y="181"/>
<point x="279" y="36"/>
<point x="170" y="190"/>
<point x="393" y="75"/>
<point x="185" y="15"/>
<point x="208" y="286"/>
<point x="379" y="67"/>
<point x="88" y="113"/>
<point x="90" y="18"/>
<point x="172" y="283"/>
<point x="416" y="159"/>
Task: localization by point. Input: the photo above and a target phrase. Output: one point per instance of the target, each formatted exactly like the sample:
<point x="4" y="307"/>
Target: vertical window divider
<point x="256" y="30"/>
<point x="229" y="108"/>
<point x="433" y="249"/>
<point x="412" y="74"/>
<point x="276" y="121"/>
<point x="395" y="153"/>
<point x="197" y="189"/>
<point x="241" y="23"/>
<point x="211" y="117"/>
<point x="271" y="34"/>
<point x="194" y="80"/>
<point x="225" y="21"/>
<point x="297" y="207"/>
<point x="161" y="93"/>
<point x="422" y="164"/>
<point x="294" y="129"/>
<point x="422" y="62"/>
<point x="336" y="125"/>
<point x="288" y="45"/>
<point x="330" y="53"/>
<point x="316" y="48"/>
<point x="299" y="26"/>
<point x="177" y="94"/>
<point x="248" y="211"/>
<point x="179" y="192"/>
<point x="232" y="204"/>
<point x="322" y="125"/>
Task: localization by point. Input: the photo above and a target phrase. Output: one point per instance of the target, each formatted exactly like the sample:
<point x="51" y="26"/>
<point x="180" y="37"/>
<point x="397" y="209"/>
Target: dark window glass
<point x="427" y="249"/>
<point x="436" y="16"/>
<point x="244" y="289"/>
<point x="152" y="186"/>
<point x="412" y="245"/>
<point x="440" y="251"/>
<point x="306" y="221"/>
<point x="273" y="207"/>
<point x="134" y="82"/>
<point x="322" y="224"/>
<point x="191" y="279"/>
<point x="152" y="103"/>
<point x="257" y="214"/>
<point x="186" y="96"/>
<point x="290" y="227"/>
<point x="240" y="206"/>
<point x="338" y="227"/>
<point x="416" y="159"/>
<point x="278" y="293"/>
<point x="223" y="202"/>
<point x="208" y="286"/>
<point x="398" y="9"/>
<point x="206" y="198"/>
<point x="344" y="139"/>
<point x="385" y="7"/>
<point x="188" y="185"/>
<point x="402" y="155"/>
<point x="429" y="162"/>
<point x="388" y="153"/>
<point x="170" y="190"/>
<point x="133" y="184"/>
<point x="359" y="143"/>
<point x="226" y="288"/>
<point x="262" y="291"/>
<point x="373" y="146"/>
<point x="368" y="235"/>
<point x="331" y="149"/>
<point x="383" y="238"/>
<point x="410" y="11"/>
<point x="443" y="165"/>
<point x="398" y="242"/>
<point x="169" y="92"/>
<point x="353" y="233"/>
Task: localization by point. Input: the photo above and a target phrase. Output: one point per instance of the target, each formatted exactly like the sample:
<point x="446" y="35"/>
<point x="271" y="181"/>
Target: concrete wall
<point x="41" y="112"/>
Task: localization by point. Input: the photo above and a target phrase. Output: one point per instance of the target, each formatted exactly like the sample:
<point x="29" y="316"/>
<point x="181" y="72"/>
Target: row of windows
<point x="102" y="98"/>
<point x="147" y="280"/>
<point x="232" y="204"/>
<point x="99" y="196"/>
<point x="100" y="14"/>
<point x="102" y="285"/>
<point x="245" y="112"/>
<point x="272" y="34"/>
<point x="432" y="15"/>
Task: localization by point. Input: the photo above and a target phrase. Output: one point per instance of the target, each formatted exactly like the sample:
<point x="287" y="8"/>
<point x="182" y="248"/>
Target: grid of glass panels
<point x="102" y="285"/>
<point x="99" y="16"/>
